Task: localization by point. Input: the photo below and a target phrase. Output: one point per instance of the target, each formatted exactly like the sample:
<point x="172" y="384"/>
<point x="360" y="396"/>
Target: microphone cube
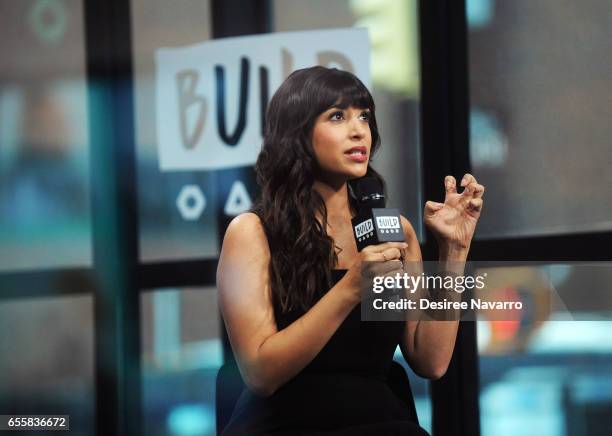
<point x="378" y="226"/>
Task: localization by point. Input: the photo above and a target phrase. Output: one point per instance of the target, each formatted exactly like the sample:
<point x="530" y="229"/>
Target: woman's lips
<point x="358" y="157"/>
<point x="357" y="154"/>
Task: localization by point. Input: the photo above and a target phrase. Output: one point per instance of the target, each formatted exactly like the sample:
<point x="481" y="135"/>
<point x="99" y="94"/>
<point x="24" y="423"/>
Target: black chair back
<point x="229" y="386"/>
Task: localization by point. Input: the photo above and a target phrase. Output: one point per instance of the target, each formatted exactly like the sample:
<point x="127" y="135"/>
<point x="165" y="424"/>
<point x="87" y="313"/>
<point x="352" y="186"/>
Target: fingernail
<point x="463" y="181"/>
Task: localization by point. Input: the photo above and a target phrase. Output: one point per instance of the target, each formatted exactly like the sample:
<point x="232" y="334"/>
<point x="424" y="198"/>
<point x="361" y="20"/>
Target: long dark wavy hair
<point x="302" y="253"/>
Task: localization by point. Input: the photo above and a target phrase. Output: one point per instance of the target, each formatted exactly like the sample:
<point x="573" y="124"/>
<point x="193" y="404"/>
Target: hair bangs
<point x="343" y="90"/>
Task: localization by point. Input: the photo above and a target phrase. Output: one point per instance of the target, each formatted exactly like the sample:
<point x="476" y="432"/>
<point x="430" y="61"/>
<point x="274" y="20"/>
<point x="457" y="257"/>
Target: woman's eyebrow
<point x="340" y="108"/>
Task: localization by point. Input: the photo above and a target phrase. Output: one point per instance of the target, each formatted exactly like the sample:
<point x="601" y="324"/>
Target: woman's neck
<point x="335" y="199"/>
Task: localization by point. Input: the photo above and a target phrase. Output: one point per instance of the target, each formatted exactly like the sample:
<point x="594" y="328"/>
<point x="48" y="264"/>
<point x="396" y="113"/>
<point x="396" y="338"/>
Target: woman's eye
<point x="336" y="116"/>
<point x="339" y="115"/>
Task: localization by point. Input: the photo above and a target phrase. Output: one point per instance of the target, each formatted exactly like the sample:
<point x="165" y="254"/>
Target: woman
<point x="289" y="273"/>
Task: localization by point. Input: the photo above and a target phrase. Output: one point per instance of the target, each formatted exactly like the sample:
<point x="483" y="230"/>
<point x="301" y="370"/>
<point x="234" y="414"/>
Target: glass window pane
<point x="182" y="353"/>
<point x="540" y="95"/>
<point x="164" y="233"/>
<point x="543" y="372"/>
<point x="45" y="217"/>
<point x="47" y="364"/>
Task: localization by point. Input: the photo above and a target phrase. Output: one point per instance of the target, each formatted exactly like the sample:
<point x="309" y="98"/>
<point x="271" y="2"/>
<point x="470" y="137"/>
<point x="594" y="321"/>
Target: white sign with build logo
<point x="211" y="97"/>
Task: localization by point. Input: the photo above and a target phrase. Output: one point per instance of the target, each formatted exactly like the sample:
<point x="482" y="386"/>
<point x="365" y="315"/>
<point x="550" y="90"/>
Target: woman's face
<point x="342" y="140"/>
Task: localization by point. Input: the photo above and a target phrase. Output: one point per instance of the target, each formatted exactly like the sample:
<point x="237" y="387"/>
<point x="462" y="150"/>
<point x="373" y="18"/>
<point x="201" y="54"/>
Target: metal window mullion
<point x="115" y="229"/>
<point x="445" y="133"/>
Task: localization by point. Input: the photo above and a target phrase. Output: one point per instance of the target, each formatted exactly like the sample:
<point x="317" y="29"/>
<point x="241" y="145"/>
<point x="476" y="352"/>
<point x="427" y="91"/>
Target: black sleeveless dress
<point x="343" y="391"/>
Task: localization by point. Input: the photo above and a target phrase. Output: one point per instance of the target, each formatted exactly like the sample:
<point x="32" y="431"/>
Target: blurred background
<point x="539" y="99"/>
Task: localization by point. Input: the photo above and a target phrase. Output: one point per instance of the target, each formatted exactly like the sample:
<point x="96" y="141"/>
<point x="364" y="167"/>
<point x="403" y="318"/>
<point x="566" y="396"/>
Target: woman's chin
<point x="356" y="173"/>
<point x="343" y="173"/>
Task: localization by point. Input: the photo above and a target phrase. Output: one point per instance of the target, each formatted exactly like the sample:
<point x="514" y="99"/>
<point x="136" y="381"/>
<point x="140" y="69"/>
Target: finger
<point x="450" y="185"/>
<point x="433" y="206"/>
<point x="391" y="254"/>
<point x="467" y="179"/>
<point x="382" y="268"/>
<point x="384" y="246"/>
<point x="408" y="256"/>
<point x="473" y="190"/>
<point x="475" y="204"/>
<point x="478" y="190"/>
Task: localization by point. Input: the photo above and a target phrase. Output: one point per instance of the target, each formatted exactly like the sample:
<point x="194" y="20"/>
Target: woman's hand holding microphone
<point x="374" y="260"/>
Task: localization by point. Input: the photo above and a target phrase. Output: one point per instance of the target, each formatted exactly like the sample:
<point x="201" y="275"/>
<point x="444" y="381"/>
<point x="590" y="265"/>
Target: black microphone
<point x="374" y="223"/>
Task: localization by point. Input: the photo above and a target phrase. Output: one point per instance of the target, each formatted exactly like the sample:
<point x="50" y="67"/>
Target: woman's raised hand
<point x="454" y="221"/>
<point x="374" y="260"/>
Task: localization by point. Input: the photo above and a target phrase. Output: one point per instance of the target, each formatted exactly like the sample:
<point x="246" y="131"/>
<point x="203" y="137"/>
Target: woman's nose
<point x="358" y="129"/>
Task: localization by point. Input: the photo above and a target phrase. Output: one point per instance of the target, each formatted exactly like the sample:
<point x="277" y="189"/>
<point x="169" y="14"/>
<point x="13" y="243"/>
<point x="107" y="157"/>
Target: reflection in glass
<point x="539" y="94"/>
<point x="44" y="169"/>
<point x="47" y="364"/>
<point x="548" y="374"/>
<point x="182" y="353"/>
<point x="165" y="234"/>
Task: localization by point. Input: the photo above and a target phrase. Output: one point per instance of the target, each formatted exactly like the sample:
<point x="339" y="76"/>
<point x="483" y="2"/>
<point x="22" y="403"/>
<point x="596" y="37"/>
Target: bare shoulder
<point x="246" y="232"/>
<point x="245" y="222"/>
<point x="245" y="249"/>
<point x="245" y="258"/>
